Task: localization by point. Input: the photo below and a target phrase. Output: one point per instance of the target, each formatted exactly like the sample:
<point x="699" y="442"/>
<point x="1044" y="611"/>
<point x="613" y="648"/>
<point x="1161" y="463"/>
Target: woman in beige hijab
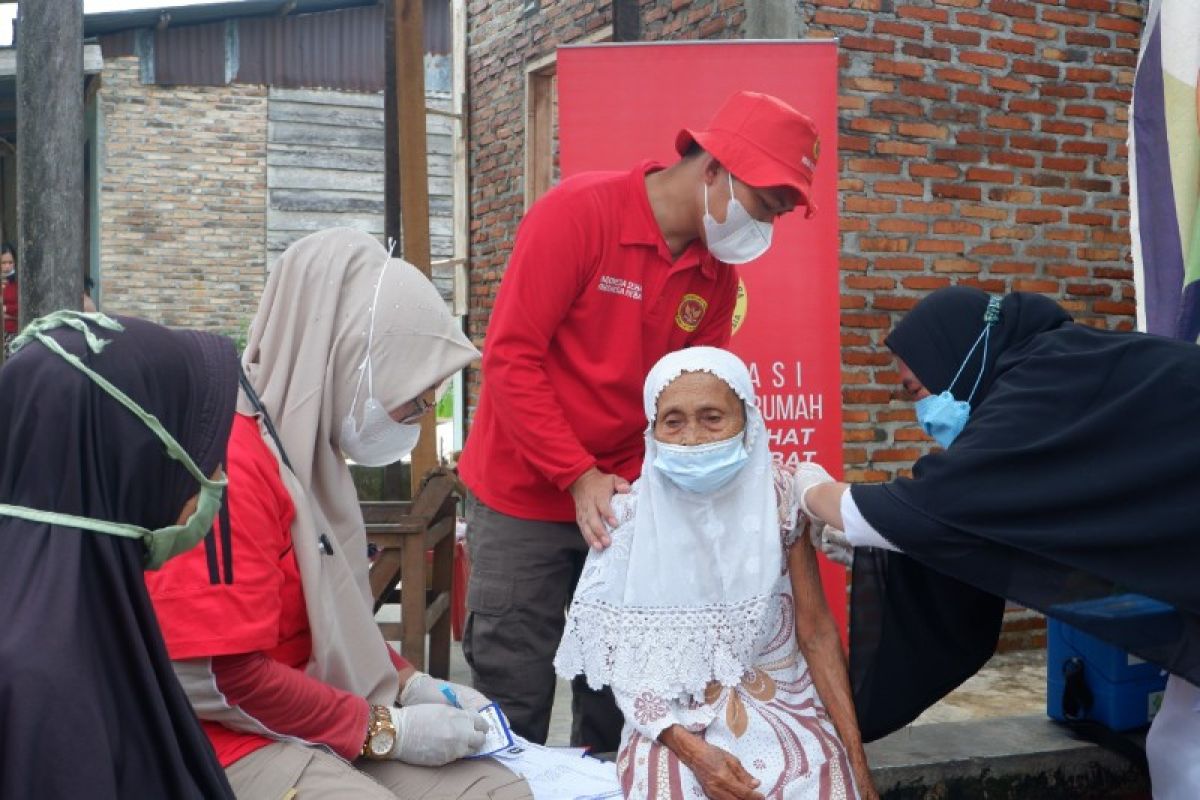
<point x="270" y="625"/>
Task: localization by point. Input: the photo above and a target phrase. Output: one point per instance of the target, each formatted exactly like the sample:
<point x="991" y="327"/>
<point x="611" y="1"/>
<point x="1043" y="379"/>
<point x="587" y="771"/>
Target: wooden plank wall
<point x="325" y="168"/>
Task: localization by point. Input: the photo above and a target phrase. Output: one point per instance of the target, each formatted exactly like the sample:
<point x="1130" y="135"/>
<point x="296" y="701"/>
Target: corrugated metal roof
<point x="193" y="55"/>
<point x="335" y="50"/>
<point x="114" y="21"/>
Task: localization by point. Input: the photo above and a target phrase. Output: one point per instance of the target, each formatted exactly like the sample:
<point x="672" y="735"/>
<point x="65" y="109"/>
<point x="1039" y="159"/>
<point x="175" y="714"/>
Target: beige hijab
<point x="307" y="343"/>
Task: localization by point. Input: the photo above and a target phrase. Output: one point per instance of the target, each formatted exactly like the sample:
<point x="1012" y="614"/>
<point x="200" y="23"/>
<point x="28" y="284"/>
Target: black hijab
<point x="1074" y="480"/>
<point x="89" y="704"/>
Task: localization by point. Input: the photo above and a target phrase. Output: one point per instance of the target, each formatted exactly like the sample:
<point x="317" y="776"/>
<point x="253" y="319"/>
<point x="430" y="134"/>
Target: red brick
<point x="989" y="175"/>
<point x="1034" y="30"/>
<point x="884" y="27"/>
<point x="993" y="60"/>
<point x="1062" y="164"/>
<point x="1019" y="105"/>
<point x="1120" y="25"/>
<point x="1089" y="218"/>
<point x="1088" y="39"/>
<point x="1120" y="59"/>
<point x="835" y="19"/>
<point x="914" y="50"/>
<point x="927" y="207"/>
<point x="1013" y="267"/>
<point x="1107" y="307"/>
<point x="1060" y="127"/>
<point x="981" y="138"/>
<point x="930" y="90"/>
<point x="1017" y="196"/>
<point x="932" y="171"/>
<point x="1014" y="8"/>
<point x="866" y="43"/>
<point x="973" y="97"/>
<point x="1038" y="216"/>
<point x="1032" y="285"/>
<point x="925" y="282"/>
<point x="985" y="21"/>
<point x="867" y="125"/>
<point x="958" y="76"/>
<point x="1008" y="122"/>
<point x="992" y="249"/>
<point x="1088" y="75"/>
<point x="873" y="165"/>
<point x="899" y="263"/>
<point x="892" y="302"/>
<point x="886" y="66"/>
<point x="902" y="107"/>
<point x="953" y="227"/>
<point x="1011" y="159"/>
<point x="922" y="13"/>
<point x="960" y="114"/>
<point x="955" y="265"/>
<point x="870" y="85"/>
<point x="1011" y="233"/>
<point x="902" y="225"/>
<point x="869" y="205"/>
<point x="858" y="144"/>
<point x="1018" y="46"/>
<point x="1070" y="91"/>
<point x="940" y="246"/>
<point x="957" y="36"/>
<point x="957" y="191"/>
<point x="896" y="148"/>
<point x="1035" y="68"/>
<point x="1089" y="289"/>
<point x="897" y="454"/>
<point x="871" y="282"/>
<point x="1033" y="143"/>
<point x="1068" y="19"/>
<point x="1091" y="5"/>
<point x="899" y="187"/>
<point x="882" y="245"/>
<point x="1090" y="148"/>
<point x="921" y="130"/>
<point x="866" y="320"/>
<point x="1006" y="84"/>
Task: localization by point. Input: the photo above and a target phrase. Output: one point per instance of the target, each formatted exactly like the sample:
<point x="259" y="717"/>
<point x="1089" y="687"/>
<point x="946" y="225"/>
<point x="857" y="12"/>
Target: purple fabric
<point x="1162" y="252"/>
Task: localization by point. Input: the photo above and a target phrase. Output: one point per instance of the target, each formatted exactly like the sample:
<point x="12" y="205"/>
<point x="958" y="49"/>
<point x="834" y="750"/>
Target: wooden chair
<point x="403" y="532"/>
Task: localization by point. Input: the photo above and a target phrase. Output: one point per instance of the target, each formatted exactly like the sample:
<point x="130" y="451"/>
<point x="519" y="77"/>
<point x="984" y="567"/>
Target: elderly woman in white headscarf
<point x="269" y="625"/>
<point x="706" y="615"/>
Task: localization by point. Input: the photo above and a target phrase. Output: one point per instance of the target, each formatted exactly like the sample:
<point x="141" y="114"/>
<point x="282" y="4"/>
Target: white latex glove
<point x="825" y="539"/>
<point x="424" y="689"/>
<point x="433" y="735"/>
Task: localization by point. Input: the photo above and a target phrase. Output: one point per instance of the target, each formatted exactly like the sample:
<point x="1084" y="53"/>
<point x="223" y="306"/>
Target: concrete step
<point x="1002" y="758"/>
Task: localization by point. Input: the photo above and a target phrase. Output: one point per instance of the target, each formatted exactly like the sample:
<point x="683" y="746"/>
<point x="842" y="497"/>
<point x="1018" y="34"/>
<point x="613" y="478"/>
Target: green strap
<point x="72" y="521"/>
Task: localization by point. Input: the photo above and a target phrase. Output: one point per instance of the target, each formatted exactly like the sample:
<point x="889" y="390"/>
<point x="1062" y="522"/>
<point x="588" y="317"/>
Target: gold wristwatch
<point x="381" y="733"/>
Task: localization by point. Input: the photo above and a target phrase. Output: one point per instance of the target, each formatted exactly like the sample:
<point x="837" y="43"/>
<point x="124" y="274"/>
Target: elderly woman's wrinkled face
<point x="698" y="408"/>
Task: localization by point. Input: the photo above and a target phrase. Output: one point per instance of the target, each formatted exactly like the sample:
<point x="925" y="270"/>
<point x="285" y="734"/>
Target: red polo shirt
<point x="591" y="299"/>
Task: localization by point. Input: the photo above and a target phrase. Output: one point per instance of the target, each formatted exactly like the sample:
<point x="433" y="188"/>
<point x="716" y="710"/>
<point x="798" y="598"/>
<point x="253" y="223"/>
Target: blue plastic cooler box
<point x="1126" y="691"/>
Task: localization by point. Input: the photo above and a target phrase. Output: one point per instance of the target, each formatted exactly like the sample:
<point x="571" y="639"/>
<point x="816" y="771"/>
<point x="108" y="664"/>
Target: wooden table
<point x="404" y="532"/>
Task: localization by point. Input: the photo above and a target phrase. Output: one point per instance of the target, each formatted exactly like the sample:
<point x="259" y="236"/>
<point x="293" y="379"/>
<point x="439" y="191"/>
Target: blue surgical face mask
<point x="940" y="415"/>
<point x="702" y="468"/>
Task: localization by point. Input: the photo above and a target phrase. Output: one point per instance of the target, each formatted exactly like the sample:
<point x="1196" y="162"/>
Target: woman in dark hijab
<point x="89" y="704"/>
<point x="1073" y="479"/>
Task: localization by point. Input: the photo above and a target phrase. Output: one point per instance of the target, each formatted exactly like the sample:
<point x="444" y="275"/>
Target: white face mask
<point x="380" y="440"/>
<point x="740" y="238"/>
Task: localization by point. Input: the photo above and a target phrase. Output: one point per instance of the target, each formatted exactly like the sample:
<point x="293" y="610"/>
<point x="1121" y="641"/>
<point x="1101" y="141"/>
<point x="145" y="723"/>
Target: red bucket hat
<point x="763" y="141"/>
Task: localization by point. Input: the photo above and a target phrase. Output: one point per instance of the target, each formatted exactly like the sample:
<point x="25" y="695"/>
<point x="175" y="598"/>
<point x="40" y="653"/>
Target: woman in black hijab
<point x="1073" y="480"/>
<point x="89" y="704"/>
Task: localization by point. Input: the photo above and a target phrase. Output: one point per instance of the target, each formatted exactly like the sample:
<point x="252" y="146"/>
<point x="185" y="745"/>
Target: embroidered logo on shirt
<point x="621" y="286"/>
<point x="739" y="308"/>
<point x="691" y="311"/>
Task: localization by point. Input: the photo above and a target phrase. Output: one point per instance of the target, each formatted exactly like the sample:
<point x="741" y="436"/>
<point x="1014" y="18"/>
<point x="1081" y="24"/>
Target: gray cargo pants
<point x="523" y="573"/>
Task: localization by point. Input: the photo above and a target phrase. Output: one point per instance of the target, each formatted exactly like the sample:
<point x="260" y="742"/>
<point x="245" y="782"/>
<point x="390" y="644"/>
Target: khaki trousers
<point x="286" y="771"/>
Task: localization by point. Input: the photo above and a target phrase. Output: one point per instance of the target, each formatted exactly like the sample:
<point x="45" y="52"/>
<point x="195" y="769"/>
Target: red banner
<point x="621" y="103"/>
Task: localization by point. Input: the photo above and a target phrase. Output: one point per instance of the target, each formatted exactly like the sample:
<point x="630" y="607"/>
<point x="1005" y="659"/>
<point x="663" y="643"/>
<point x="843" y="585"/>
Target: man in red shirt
<point x="609" y="272"/>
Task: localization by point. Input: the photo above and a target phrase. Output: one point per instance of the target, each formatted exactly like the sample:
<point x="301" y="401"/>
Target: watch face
<point x="381" y="743"/>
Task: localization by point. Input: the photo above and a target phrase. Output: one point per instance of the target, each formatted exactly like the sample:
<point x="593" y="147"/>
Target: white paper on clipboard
<point x="499" y="736"/>
<point x="560" y="773"/>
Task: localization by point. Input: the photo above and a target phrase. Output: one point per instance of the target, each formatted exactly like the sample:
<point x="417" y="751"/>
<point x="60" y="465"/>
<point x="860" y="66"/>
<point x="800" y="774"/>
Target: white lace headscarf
<point x="679" y="598"/>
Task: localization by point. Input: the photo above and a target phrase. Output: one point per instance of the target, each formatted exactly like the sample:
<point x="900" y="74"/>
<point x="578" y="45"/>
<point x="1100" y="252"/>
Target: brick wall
<point x="981" y="142"/>
<point x="182" y="200"/>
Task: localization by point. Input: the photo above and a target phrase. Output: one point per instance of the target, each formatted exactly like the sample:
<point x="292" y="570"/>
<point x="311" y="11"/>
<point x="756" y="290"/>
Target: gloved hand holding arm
<point x="820" y="501"/>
